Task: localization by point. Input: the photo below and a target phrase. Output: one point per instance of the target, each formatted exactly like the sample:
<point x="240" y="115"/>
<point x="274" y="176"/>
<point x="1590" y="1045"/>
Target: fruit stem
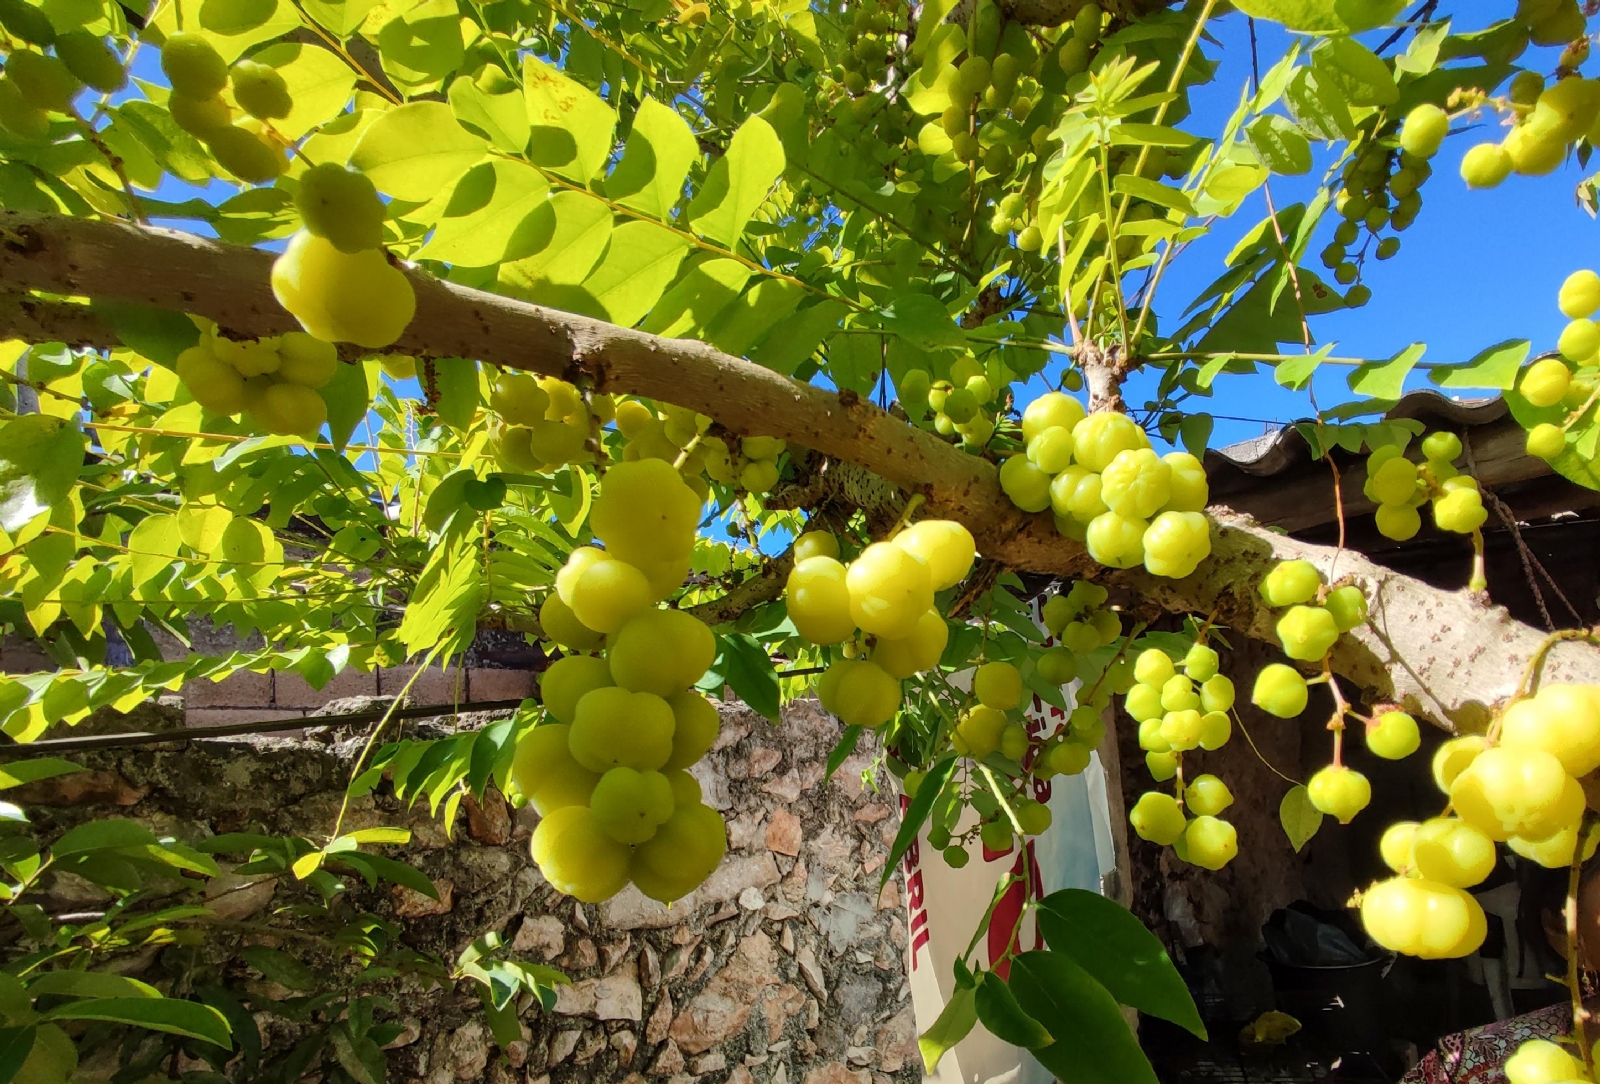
<point x="1480" y="579"/>
<point x="1570" y="912"/>
<point x="1011" y="814"/>
<point x="1530" y="677"/>
<point x="905" y="516"/>
<point x="683" y="456"/>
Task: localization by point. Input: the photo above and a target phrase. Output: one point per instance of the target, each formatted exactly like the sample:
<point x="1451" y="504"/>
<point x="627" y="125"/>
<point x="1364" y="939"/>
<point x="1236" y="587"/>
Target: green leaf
<point x="1495" y="367"/>
<point x="922" y="320"/>
<point x="1151" y="191"/>
<point x="1098" y="1048"/>
<point x="157" y="1014"/>
<point x="1194" y="431"/>
<point x="319" y="82"/>
<point x="415" y="151"/>
<point x="572" y="126"/>
<point x="1281" y="145"/>
<point x="1318" y="106"/>
<point x="1386" y="379"/>
<point x="1362" y="76"/>
<point x="443" y="609"/>
<point x="102" y="835"/>
<point x="153" y="546"/>
<point x="1324" y="16"/>
<point x="955" y="1021"/>
<point x="483" y="222"/>
<point x="501" y="118"/>
<point x="917" y="812"/>
<point x="15" y="1046"/>
<point x="279" y="967"/>
<point x="158" y="334"/>
<point x="698" y="298"/>
<point x="401" y="873"/>
<point x="422" y="44"/>
<point x="17" y="772"/>
<point x="567" y="234"/>
<point x="998" y="1009"/>
<point x="753" y="315"/>
<point x="748" y="670"/>
<point x="358" y="1055"/>
<point x="656" y="161"/>
<point x="642" y="260"/>
<point x="492" y="741"/>
<point x="842" y="750"/>
<point x="39" y="461"/>
<point x="737" y="183"/>
<point x="1295" y="373"/>
<point x="455" y="382"/>
<point x="1106" y="940"/>
<point x="89" y="984"/>
<point x="342" y="17"/>
<point x="447" y="498"/>
<point x="1300" y="819"/>
<point x="347" y="396"/>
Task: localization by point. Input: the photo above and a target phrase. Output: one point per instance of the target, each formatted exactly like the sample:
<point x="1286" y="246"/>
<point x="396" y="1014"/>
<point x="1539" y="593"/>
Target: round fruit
<point x="305" y="360"/>
<point x="1280" y="690"/>
<point x="1424" y="130"/>
<point x="192" y="66"/>
<point x="1207" y="796"/>
<point x="890" y="590"/>
<point x="955" y="856"/>
<point x="1161" y="766"/>
<point x="93" y="61"/>
<point x="1395" y="482"/>
<point x="944" y="545"/>
<point x="1175" y="543"/>
<point x="1051" y="450"/>
<point x="660" y="651"/>
<point x="1580" y="340"/>
<point x="289" y="410"/>
<point x="1452" y="758"/>
<point x="1157" y="817"/>
<point x="566" y="681"/>
<point x="1460" y="511"/>
<point x="1562" y="720"/>
<point x="1545" y="382"/>
<point x="996" y="836"/>
<point x="685" y="850"/>
<point x="1423" y="918"/>
<point x="1099" y="437"/>
<point x="608" y="594"/>
<point x="1034" y="816"/>
<point x="1556" y="851"/>
<point x="1441" y="447"/>
<point x="1539" y="1061"/>
<point x="1398" y="521"/>
<point x="1068" y="758"/>
<point x="1215" y="730"/>
<point x="860" y="693"/>
<point x="816" y="544"/>
<point x="695" y="727"/>
<point x="1340" y="792"/>
<point x="1485" y="165"/>
<point x="1393" y="735"/>
<point x="1210" y="843"/>
<point x="1395" y="845"/>
<point x="918" y="652"/>
<point x="200" y="117"/>
<point x="562" y="625"/>
<point x="1014" y="742"/>
<point x="1026" y="484"/>
<point x="818" y="600"/>
<point x="517" y="397"/>
<point x="1546" y="441"/>
<point x="1307" y="633"/>
<point x="1190" y="491"/>
<point x="1181" y="730"/>
<point x="1201" y="663"/>
<point x="630" y="805"/>
<point x="1452" y="852"/>
<point x="1290" y="583"/>
<point x="979" y="730"/>
<point x="1136" y="483"/>
<point x="1579" y="295"/>
<point x="998" y="685"/>
<point x="1153" y="667"/>
<point x="545" y="773"/>
<point x="253" y="160"/>
<point x="645" y="511"/>
<point x="1144" y="702"/>
<point x="576" y="855"/>
<point x="1348" y="605"/>
<point x="615" y="728"/>
<point x="1057" y="666"/>
<point x="1116" y="541"/>
<point x="215" y="385"/>
<point x="261" y="91"/>
<point x="1217" y="693"/>
<point x="1509" y="792"/>
<point x="1178" y="694"/>
<point x="342" y="297"/>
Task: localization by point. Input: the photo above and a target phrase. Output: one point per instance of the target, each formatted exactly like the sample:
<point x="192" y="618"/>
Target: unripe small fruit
<point x="1279" y="690"/>
<point x="261" y="91"/>
<point x="1423" y="918"/>
<point x="1580" y="340"/>
<point x="1161" y="766"/>
<point x="92" y="60"/>
<point x="1290" y="583"/>
<point x="1452" y="852"/>
<point x="45" y="81"/>
<point x="1209" y="843"/>
<point x="1153" y="667"/>
<point x="1340" y="792"/>
<point x="1157" y="817"/>
<point x="998" y="685"/>
<point x="1395" y="845"/>
<point x="342" y="206"/>
<point x="200" y="117"/>
<point x="1539" y="1061"/>
<point x="1201" y="662"/>
<point x="1580" y="295"/>
<point x="1398" y="521"/>
<point x="1424" y="130"/>
<point x="1307" y="633"/>
<point x="1206" y="796"/>
<point x="1509" y="792"/>
<point x="1485" y="166"/>
<point x="1546" y="441"/>
<point x="816" y="544"/>
<point x="289" y="410"/>
<point x="1545" y="382"/>
<point x="192" y="65"/>
<point x="1393" y="735"/>
<point x="1215" y="730"/>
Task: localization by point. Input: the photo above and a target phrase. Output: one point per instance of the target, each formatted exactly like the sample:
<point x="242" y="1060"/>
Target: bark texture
<point x="1447" y="655"/>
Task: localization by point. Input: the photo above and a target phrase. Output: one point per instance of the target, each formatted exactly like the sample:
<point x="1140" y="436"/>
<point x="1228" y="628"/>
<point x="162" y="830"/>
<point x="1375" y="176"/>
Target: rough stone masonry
<point x="786" y="967"/>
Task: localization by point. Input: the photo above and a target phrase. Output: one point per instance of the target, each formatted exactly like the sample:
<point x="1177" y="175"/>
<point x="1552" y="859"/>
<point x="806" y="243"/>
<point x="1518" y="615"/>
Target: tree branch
<point x="1461" y="656"/>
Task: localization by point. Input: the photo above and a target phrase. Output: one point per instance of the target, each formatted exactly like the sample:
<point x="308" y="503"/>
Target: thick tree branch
<point x="1459" y="656"/>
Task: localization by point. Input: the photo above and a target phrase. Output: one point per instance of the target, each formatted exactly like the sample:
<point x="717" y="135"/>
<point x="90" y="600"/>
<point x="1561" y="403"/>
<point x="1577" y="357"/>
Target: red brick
<point x="224" y="716"/>
<point x="493" y="684"/>
<point x="292" y="691"/>
<point x="437" y="686"/>
<point x="243" y="689"/>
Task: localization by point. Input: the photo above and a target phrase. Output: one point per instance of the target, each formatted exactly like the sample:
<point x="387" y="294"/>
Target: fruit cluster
<point x="1547" y="121"/>
<point x="1109" y="489"/>
<point x="37" y="84"/>
<point x="250" y="149"/>
<point x="1178" y="713"/>
<point x="545" y="422"/>
<point x="1399" y="487"/>
<point x="334" y="276"/>
<point x="1516" y="785"/>
<point x="274" y="380"/>
<point x="1568" y="385"/>
<point x="675" y="433"/>
<point x="962" y="405"/>
<point x="608" y="775"/>
<point x="886" y="592"/>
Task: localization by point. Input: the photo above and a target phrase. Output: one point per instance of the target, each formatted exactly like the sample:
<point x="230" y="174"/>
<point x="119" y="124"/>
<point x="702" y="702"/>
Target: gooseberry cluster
<point x="37" y="84"/>
<point x="250" y="149"/>
<point x="274" y="380"/>
<point x="1547" y="120"/>
<point x="545" y="422"/>
<point x="885" y="593"/>
<point x="608" y="774"/>
<point x="1109" y="489"/>
<point x="675" y="433"/>
<point x="1178" y="713"/>
<point x="1399" y="487"/>
<point x="334" y="276"/>
<point x="1567" y="385"/>
<point x="962" y="405"/>
<point x="1516" y="785"/>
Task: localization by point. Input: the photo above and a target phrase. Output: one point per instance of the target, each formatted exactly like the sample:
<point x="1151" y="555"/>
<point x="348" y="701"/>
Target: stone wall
<point x="786" y="967"/>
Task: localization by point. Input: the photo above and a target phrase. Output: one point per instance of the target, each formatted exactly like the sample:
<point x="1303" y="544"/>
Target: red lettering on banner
<point x="916" y="943"/>
<point x="914" y="890"/>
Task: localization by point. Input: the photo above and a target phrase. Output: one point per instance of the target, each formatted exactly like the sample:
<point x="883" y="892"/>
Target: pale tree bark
<point x="1445" y="654"/>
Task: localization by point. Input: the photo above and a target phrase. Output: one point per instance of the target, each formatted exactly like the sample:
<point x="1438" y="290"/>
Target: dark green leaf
<point x="347" y="396"/>
<point x="17" y="772"/>
<point x="158" y="1014"/>
<point x="1098" y="1047"/>
<point x="15" y="1045"/>
<point x="748" y="671"/>
<point x="100" y="835"/>
<point x="998" y="1009"/>
<point x="917" y="812"/>
<point x="1106" y="940"/>
<point x="491" y="741"/>
<point x="279" y="967"/>
<point x="158" y="334"/>
<point x="842" y="750"/>
<point x="455" y="390"/>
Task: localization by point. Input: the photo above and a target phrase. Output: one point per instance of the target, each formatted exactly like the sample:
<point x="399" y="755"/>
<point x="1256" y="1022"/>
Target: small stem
<point x="1480" y="578"/>
<point x="683" y="456"/>
<point x="905" y="516"/>
<point x="1011" y="814"/>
